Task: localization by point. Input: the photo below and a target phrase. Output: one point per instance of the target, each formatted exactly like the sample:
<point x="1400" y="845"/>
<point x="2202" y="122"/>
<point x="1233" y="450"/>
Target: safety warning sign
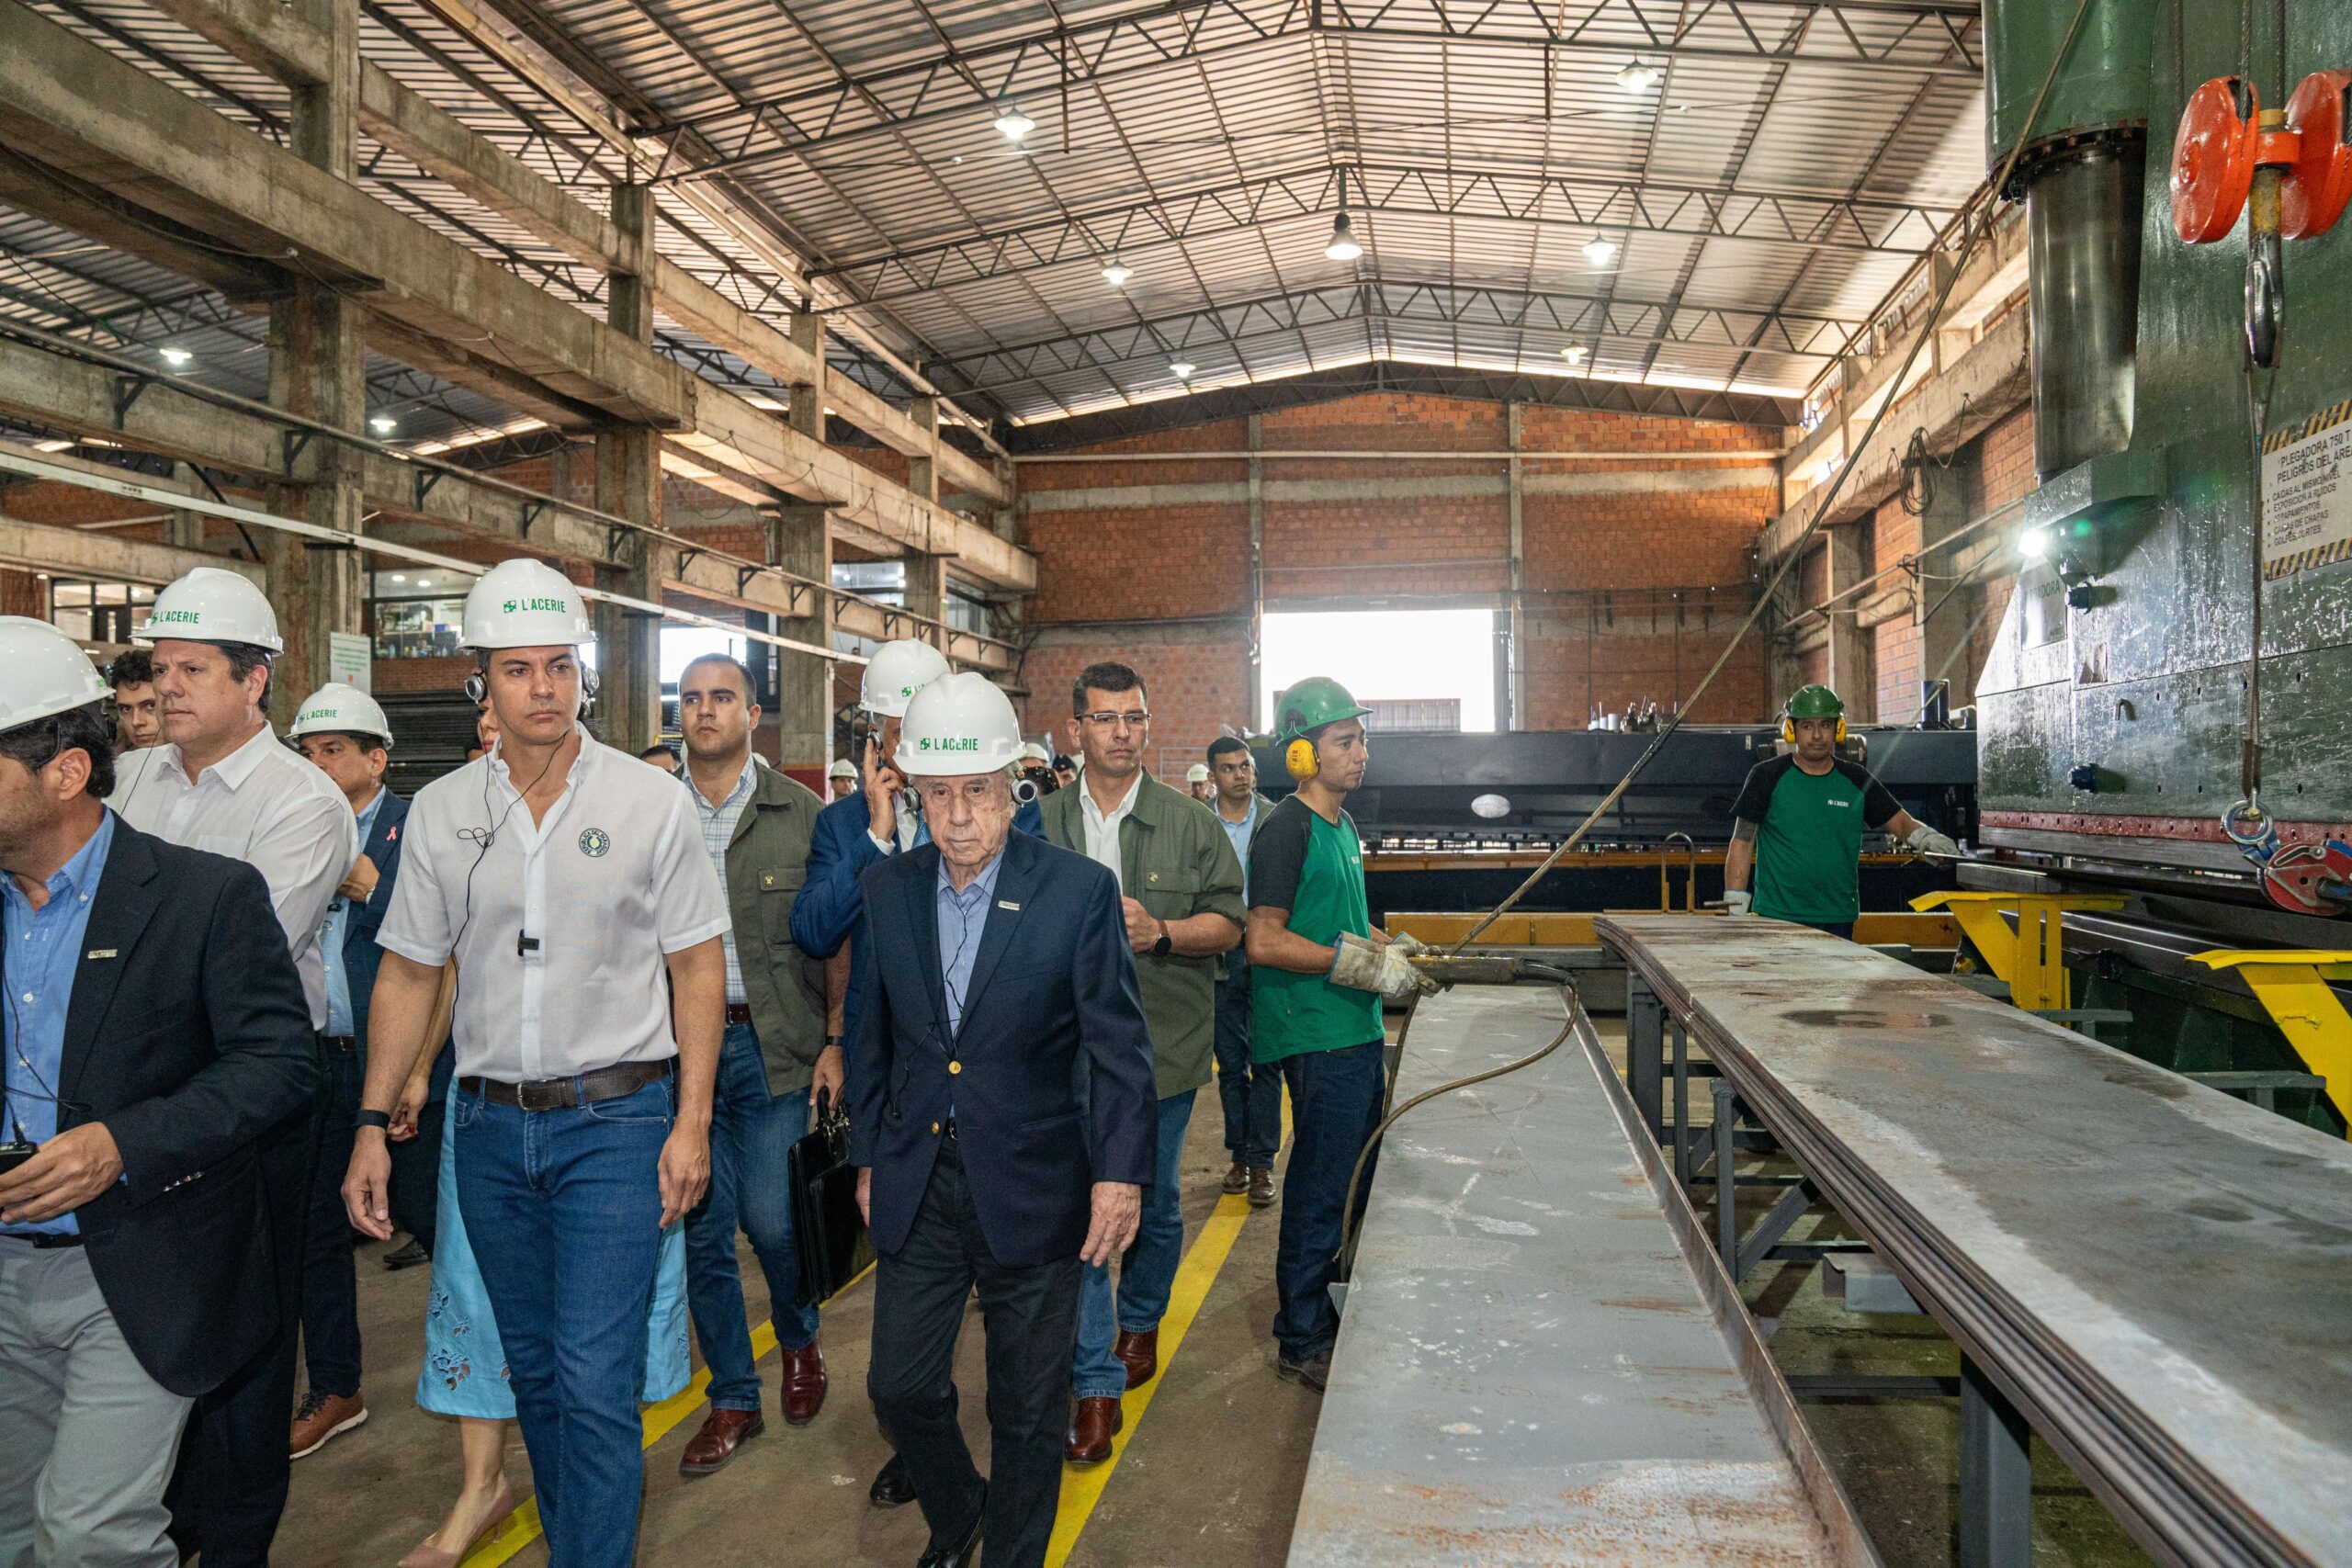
<point x="2307" y="493"/>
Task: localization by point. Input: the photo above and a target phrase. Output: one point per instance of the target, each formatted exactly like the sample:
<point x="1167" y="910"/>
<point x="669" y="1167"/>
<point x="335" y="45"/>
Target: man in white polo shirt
<point x="222" y="782"/>
<point x="571" y="883"/>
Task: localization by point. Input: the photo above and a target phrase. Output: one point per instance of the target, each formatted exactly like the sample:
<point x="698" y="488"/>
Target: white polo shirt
<point x="614" y="880"/>
<point x="267" y="806"/>
<point x="1102" y="831"/>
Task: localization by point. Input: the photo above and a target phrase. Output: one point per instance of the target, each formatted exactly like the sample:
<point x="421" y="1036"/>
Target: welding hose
<point x="1351" y="1223"/>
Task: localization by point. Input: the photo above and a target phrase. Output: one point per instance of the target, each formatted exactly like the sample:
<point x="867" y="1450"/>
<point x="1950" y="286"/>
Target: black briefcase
<point x="826" y="1226"/>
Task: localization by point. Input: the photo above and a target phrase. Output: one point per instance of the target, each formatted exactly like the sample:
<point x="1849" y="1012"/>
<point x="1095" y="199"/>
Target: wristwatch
<point x="1166" y="944"/>
<point x="378" y="1119"/>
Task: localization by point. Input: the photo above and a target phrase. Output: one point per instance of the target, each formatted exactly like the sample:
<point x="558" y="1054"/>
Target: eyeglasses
<point x="1107" y="719"/>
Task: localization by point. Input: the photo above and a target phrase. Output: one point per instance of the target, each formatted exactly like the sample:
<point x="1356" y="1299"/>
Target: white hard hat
<point x="959" y="724"/>
<point x="337" y="709"/>
<point x="1197" y="773"/>
<point x="43" y="671"/>
<point x="525" y="603"/>
<point x="844" y="769"/>
<point x="213" y="604"/>
<point x="1032" y="753"/>
<point x="896" y="672"/>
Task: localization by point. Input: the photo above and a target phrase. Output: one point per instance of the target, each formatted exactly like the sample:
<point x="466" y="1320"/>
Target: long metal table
<point x="2156" y="1276"/>
<point x="1541" y="1361"/>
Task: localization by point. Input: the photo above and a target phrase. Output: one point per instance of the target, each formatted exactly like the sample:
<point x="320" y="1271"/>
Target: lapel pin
<point x="100" y="953"/>
<point x="1007" y="903"/>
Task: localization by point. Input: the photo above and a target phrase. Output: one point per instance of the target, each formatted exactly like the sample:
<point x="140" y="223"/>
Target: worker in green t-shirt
<point x="1317" y="972"/>
<point x="1798" y="824"/>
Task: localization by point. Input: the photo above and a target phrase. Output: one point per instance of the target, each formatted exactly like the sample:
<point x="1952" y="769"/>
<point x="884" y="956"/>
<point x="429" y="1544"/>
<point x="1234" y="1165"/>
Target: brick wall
<point x="1197" y="689"/>
<point x="1619" y="557"/>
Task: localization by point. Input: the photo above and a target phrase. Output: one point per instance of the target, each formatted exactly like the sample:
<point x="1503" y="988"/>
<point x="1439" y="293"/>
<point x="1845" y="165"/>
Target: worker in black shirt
<point x="1798" y="824"/>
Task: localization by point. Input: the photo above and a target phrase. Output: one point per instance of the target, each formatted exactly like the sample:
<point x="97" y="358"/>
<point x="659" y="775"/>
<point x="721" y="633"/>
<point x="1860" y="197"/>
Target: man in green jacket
<point x="1180" y="886"/>
<point x="755" y="825"/>
<point x="1317" y="973"/>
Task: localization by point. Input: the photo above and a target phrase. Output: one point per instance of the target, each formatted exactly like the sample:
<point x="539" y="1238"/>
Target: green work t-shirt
<point x="1313" y="868"/>
<point x="1809" y="837"/>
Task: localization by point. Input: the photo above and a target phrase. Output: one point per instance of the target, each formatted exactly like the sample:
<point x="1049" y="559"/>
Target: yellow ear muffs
<point x="1788" y="731"/>
<point x="1300" y="759"/>
<point x="1840" y="737"/>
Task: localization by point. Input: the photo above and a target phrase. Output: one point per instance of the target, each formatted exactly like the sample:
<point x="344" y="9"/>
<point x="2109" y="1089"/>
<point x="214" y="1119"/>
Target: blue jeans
<point x="752" y="1135"/>
<point x="1252" y="1095"/>
<point x="1147" y="1273"/>
<point x="1334" y="1105"/>
<point x="564" y="1210"/>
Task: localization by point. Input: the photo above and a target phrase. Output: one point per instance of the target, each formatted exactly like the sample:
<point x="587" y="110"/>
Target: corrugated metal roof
<point x="1782" y="173"/>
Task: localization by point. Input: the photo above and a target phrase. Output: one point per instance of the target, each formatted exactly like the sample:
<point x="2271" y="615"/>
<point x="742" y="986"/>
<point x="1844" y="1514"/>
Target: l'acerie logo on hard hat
<point x="951" y="743"/>
<point x="558" y="605"/>
<point x="176" y="617"/>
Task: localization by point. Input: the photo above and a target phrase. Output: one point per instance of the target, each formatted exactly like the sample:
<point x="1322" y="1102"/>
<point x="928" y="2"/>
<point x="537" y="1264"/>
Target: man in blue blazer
<point x="1003" y="1116"/>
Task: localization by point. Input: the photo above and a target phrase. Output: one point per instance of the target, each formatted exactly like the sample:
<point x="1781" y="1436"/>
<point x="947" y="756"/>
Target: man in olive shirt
<point x="1797" y="825"/>
<point x="1317" y="971"/>
<point x="1179" y="886"/>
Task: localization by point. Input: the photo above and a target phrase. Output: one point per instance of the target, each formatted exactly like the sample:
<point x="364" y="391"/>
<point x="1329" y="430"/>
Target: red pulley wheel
<point x="2319" y="182"/>
<point x="2212" y="160"/>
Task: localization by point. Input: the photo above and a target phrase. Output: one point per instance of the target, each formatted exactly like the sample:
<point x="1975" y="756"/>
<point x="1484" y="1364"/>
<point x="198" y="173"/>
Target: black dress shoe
<point x="408" y="1255"/>
<point x="962" y="1556"/>
<point x="893" y="1488"/>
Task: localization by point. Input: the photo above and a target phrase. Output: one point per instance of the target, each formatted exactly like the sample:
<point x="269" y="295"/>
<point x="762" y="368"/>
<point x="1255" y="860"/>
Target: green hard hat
<point x="1312" y="703"/>
<point x="1815" y="702"/>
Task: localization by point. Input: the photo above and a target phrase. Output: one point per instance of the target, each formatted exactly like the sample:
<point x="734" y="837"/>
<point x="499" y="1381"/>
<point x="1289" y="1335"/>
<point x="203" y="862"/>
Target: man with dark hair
<point x="774" y="1062"/>
<point x="138" y="711"/>
<point x="222" y="781"/>
<point x="1250" y="1094"/>
<point x="661" y="755"/>
<point x="151" y="982"/>
<point x="1181" y="910"/>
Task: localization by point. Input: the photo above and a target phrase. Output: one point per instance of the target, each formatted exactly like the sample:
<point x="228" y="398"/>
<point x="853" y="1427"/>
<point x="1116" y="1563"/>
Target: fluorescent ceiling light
<point x="1343" y="246"/>
<point x="1638" y="77"/>
<point x="383" y="424"/>
<point x="1184" y="369"/>
<point x="1574" y="354"/>
<point x="1601" y="249"/>
<point x="1012" y="122"/>
<point x="175" y="357"/>
<point x="1116" y="273"/>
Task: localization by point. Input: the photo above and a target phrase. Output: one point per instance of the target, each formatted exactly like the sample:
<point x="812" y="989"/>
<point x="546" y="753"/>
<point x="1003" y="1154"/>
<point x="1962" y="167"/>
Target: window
<point x="98" y="611"/>
<point x="884" y="582"/>
<point x="1421" y="667"/>
<point x="417" y="614"/>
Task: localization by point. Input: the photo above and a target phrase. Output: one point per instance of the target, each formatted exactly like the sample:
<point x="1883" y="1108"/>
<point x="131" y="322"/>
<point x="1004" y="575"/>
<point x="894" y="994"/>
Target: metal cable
<point x="1978" y="226"/>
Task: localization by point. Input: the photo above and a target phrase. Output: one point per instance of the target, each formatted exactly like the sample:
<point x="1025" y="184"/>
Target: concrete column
<point x="1515" y="707"/>
<point x="1008" y="521"/>
<point x="628" y="484"/>
<point x="317" y="368"/>
<point x="927" y="594"/>
<point x="800" y="540"/>
<point x="806" y="411"/>
<point x="922" y="468"/>
<point x="1853" y="669"/>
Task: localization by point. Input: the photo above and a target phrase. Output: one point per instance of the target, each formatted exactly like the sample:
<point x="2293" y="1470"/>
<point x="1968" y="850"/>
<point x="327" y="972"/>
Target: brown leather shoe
<point x="804" y="1384"/>
<point x="723" y="1432"/>
<point x="1139" y="1353"/>
<point x="322" y="1417"/>
<point x="1237" y="1177"/>
<point x="1092" y="1427"/>
<point x="1262" y="1187"/>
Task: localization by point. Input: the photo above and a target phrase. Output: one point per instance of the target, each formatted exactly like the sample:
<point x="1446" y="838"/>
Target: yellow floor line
<point x="522" y="1526"/>
<point x="1082" y="1488"/>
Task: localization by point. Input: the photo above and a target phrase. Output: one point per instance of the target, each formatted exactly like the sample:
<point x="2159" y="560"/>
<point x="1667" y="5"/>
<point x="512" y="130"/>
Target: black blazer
<point x="1056" y="1090"/>
<point x="189" y="1036"/>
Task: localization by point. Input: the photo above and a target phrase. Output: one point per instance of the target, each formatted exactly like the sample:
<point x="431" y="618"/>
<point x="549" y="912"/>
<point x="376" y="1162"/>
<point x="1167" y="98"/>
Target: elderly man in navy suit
<point x="1003" y="1118"/>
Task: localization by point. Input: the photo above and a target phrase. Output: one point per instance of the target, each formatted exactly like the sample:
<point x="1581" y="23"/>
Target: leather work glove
<point x="1735" y="902"/>
<point x="1408" y="943"/>
<point x="1927" y="841"/>
<point x="1355" y="963"/>
<point x="1400" y="979"/>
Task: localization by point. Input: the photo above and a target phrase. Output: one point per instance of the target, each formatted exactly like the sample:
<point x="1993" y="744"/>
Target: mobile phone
<point x="13" y="1155"/>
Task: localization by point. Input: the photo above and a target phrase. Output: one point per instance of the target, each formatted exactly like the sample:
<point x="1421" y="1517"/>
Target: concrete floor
<point x="1211" y="1475"/>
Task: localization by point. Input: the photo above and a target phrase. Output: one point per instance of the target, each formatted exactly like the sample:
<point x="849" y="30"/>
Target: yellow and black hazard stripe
<point x="2303" y="560"/>
<point x="2326" y="419"/>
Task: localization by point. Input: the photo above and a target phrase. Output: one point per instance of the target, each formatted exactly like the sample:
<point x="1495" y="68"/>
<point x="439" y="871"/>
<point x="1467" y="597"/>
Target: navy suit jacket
<point x="1055" y="1091"/>
<point x="830" y="902"/>
<point x="188" y="1035"/>
<point x="361" y="954"/>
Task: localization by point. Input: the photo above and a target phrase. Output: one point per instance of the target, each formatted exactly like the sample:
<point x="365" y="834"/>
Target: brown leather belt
<point x="567" y="1094"/>
<point x="739" y="1012"/>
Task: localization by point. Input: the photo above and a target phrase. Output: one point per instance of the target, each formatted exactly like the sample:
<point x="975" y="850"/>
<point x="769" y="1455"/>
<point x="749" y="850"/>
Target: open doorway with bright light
<point x="1417" y="670"/>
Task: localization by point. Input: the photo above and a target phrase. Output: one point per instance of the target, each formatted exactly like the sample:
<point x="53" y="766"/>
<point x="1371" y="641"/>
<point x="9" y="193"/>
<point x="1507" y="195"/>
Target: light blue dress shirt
<point x="962" y="916"/>
<point x="339" y="1014"/>
<point x="1241" y="833"/>
<point x="44" y="952"/>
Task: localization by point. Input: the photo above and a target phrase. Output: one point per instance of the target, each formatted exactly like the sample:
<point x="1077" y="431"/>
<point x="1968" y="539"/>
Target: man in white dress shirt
<point x="571" y="883"/>
<point x="222" y="782"/>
